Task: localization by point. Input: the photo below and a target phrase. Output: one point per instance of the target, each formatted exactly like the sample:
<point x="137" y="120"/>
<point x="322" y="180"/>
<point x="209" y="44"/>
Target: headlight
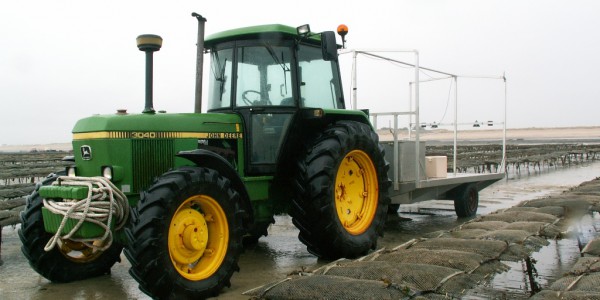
<point x="107" y="172"/>
<point x="71" y="171"/>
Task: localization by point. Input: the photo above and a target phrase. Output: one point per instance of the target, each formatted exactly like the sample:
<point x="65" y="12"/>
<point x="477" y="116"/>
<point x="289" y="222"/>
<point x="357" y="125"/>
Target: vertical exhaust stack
<point x="149" y="43"/>
<point x="199" y="62"/>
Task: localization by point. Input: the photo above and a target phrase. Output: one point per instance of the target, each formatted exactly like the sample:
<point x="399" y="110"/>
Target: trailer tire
<point x="69" y="261"/>
<point x="185" y="235"/>
<point x="344" y="161"/>
<point x="466" y="201"/>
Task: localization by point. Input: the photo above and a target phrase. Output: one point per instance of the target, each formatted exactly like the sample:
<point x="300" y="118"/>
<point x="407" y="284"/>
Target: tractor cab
<point x="267" y="74"/>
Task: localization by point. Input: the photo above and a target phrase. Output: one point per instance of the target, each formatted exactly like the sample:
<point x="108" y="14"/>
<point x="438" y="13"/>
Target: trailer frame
<point x="422" y="188"/>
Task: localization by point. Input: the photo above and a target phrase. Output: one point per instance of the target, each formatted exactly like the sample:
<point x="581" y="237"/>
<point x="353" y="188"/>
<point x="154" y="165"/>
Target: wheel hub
<point x="79" y="252"/>
<point x="190" y="234"/>
<point x="356" y="192"/>
<point x="198" y="237"/>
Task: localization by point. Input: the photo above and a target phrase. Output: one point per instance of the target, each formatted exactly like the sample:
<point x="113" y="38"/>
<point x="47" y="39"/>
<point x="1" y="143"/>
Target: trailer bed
<point x="439" y="188"/>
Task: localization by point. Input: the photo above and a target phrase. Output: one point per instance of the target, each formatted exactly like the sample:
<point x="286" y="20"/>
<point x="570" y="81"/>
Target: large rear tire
<point x="185" y="235"/>
<point x="68" y="260"/>
<point x="341" y="192"/>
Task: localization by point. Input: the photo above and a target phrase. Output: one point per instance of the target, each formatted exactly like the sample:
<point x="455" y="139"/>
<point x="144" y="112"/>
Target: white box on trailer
<point x="436" y="166"/>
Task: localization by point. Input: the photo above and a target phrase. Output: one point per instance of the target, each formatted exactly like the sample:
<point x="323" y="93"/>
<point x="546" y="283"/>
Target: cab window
<point x="264" y="76"/>
<point x="220" y="79"/>
<point x="319" y="80"/>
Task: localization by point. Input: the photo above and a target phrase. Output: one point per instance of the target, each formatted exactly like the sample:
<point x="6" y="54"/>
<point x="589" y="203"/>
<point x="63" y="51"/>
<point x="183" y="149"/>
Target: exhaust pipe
<point x="149" y="43"/>
<point x="199" y="62"/>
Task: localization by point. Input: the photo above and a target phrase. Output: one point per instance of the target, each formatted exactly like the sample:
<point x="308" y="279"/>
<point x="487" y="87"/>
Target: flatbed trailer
<point x="411" y="183"/>
<point x="462" y="188"/>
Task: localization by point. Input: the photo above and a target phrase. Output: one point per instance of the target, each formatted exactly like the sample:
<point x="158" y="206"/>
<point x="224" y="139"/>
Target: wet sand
<point x="563" y="134"/>
<point x="280" y="254"/>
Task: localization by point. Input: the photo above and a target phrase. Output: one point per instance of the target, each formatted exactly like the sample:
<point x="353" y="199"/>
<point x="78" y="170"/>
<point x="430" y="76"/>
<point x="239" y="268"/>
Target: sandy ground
<point x="281" y="253"/>
<point x="486" y="134"/>
<point x="483" y="134"/>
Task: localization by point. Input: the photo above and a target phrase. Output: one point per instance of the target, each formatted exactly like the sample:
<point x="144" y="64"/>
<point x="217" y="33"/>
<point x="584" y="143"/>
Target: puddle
<point x="548" y="265"/>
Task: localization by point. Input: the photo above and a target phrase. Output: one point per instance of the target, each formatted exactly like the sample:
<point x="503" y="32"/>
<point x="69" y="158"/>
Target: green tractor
<point x="181" y="193"/>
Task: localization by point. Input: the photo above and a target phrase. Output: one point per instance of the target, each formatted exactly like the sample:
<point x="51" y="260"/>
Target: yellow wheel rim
<point x="198" y="237"/>
<point x="79" y="252"/>
<point x="356" y="192"/>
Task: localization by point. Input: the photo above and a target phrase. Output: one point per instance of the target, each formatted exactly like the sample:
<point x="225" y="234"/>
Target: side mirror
<point x="329" y="46"/>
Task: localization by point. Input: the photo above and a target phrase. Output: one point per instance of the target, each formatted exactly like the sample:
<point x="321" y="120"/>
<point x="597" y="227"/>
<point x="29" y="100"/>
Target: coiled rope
<point x="103" y="203"/>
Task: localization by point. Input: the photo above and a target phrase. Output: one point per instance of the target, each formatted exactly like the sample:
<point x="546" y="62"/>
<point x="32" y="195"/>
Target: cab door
<point x="264" y="96"/>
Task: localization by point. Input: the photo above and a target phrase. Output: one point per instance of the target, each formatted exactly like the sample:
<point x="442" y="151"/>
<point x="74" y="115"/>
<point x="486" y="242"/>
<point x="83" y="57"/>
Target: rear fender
<point x="209" y="159"/>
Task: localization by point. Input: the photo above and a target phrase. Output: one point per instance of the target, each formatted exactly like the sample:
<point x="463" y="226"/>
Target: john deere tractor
<point x="183" y="192"/>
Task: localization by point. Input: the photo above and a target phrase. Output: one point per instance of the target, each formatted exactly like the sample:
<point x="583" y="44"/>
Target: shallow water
<point x="281" y="253"/>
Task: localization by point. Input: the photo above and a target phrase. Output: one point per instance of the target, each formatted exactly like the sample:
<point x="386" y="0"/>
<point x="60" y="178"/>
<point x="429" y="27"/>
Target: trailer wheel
<point x="69" y="260"/>
<point x="185" y="235"/>
<point x="341" y="192"/>
<point x="466" y="201"/>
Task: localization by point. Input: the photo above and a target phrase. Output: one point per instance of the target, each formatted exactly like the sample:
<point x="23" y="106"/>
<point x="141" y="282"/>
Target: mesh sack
<point x="572" y="295"/>
<point x="592" y="248"/>
<point x="486" y="269"/>
<point x="485" y="225"/>
<point x="571" y="203"/>
<point x="557" y="211"/>
<point x="520" y="216"/>
<point x="454" y="287"/>
<point x="464" y="261"/>
<point x="328" y="287"/>
<point x="457" y="286"/>
<point x="432" y="296"/>
<point x="463" y="234"/>
<point x="536" y="228"/>
<point x="507" y="235"/>
<point x="418" y="277"/>
<point x="588" y="283"/>
<point x="515" y="252"/>
<point x="520" y="237"/>
<point x="486" y="248"/>
<point x="585" y="265"/>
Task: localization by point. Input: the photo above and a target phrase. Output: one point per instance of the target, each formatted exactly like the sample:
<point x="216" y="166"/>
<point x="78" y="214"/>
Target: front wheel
<point x="341" y="192"/>
<point x="69" y="260"/>
<point x="185" y="235"/>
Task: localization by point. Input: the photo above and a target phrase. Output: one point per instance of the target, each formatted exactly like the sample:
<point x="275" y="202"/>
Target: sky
<point x="61" y="61"/>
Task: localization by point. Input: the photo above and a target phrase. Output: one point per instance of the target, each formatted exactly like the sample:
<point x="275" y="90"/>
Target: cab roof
<point x="270" y="31"/>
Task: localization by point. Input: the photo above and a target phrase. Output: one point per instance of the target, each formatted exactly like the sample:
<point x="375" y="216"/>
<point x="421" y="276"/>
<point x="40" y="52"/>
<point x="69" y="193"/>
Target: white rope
<point x="103" y="203"/>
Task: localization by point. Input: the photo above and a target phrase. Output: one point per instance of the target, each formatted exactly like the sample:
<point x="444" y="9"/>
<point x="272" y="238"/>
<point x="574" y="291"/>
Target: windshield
<point x="264" y="76"/>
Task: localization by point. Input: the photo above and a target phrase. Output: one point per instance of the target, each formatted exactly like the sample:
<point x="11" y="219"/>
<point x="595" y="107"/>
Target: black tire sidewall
<point x="462" y="201"/>
<point x="317" y="218"/>
<point x="53" y="264"/>
<point x="159" y="278"/>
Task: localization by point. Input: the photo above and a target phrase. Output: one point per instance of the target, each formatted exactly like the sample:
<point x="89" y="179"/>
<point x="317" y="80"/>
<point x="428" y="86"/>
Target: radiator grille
<point x="151" y="158"/>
